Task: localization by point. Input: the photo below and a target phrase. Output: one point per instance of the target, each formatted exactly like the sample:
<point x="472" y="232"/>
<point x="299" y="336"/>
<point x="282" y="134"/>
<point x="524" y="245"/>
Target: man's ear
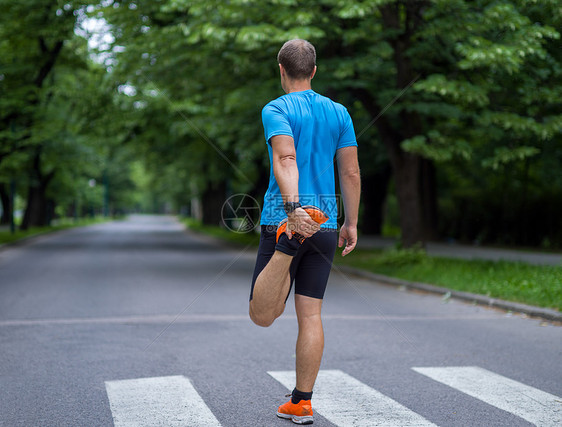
<point x="281" y="70"/>
<point x="313" y="73"/>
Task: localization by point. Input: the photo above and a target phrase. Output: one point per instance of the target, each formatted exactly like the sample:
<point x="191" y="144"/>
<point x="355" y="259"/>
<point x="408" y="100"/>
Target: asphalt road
<point x="83" y="309"/>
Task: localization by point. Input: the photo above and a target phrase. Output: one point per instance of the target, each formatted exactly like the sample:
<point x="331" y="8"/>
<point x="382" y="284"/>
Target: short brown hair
<point x="298" y="58"/>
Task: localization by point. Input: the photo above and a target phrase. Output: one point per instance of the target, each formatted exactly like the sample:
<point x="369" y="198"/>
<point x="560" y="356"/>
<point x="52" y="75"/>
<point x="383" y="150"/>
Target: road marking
<point x="536" y="406"/>
<point x="159" y="401"/>
<point x="345" y="401"/>
<point x="194" y="318"/>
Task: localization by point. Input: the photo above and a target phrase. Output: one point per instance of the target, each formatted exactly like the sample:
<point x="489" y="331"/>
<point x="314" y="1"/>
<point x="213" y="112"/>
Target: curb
<point x="544" y="313"/>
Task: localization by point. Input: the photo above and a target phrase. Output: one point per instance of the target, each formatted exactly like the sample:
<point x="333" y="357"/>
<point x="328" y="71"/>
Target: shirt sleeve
<point x="275" y="122"/>
<point x="347" y="134"/>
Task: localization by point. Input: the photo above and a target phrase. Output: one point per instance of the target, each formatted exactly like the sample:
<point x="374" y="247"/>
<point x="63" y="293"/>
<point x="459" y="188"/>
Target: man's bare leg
<point x="271" y="290"/>
<point x="310" y="341"/>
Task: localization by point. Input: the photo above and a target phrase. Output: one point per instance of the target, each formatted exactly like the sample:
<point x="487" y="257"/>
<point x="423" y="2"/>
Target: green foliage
<point x="438" y="147"/>
<point x="59" y="123"/>
<point x="496" y="53"/>
<point x="170" y="102"/>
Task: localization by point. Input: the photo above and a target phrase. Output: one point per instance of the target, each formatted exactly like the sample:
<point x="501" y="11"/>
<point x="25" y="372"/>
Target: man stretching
<point x="304" y="131"/>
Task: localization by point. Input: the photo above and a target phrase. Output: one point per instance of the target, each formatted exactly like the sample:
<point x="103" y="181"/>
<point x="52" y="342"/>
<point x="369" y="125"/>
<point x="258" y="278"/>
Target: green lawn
<point x="61" y="224"/>
<point x="512" y="281"/>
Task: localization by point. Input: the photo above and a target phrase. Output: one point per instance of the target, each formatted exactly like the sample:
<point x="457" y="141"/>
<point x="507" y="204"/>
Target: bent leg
<point x="271" y="289"/>
<point x="310" y="341"/>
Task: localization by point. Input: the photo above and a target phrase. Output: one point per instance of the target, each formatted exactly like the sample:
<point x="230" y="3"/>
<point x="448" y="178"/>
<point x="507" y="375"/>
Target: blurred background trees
<point x="155" y="106"/>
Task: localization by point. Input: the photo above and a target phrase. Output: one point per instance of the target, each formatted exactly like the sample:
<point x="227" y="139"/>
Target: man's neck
<point x="298" y="86"/>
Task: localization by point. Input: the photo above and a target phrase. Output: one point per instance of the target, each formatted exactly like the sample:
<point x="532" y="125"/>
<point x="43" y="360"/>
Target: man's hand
<point x="348" y="235"/>
<point x="300" y="222"/>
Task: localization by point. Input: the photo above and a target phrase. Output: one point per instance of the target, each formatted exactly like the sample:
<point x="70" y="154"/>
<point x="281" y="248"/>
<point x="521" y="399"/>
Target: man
<point x="304" y="132"/>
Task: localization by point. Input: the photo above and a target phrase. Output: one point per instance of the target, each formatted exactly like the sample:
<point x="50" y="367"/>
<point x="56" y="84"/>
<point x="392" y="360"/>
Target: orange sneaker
<point x="301" y="413"/>
<point x="316" y="214"/>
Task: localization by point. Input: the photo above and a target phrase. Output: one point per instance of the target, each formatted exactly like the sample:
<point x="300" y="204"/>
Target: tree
<point x="57" y="110"/>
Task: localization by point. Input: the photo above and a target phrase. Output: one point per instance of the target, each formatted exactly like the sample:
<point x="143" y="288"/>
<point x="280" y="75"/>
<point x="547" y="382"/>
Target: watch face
<point x="291" y="206"/>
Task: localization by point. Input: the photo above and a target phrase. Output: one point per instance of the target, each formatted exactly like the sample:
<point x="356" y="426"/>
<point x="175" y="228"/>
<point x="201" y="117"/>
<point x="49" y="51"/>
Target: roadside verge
<point x="8" y="239"/>
<point x="530" y="310"/>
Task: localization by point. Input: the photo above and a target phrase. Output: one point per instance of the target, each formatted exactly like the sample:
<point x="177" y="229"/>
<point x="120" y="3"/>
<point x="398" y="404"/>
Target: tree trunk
<point x="36" y="211"/>
<point x="429" y="199"/>
<point x="374" y="193"/>
<point x="6" y="218"/>
<point x="212" y="200"/>
<point x="50" y="210"/>
<point x="407" y="170"/>
<point x="413" y="175"/>
<point x="406" y="176"/>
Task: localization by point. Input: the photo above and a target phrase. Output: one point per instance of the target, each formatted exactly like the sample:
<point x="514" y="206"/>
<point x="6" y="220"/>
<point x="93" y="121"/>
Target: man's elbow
<point x="287" y="161"/>
<point x="287" y="158"/>
<point x="353" y="174"/>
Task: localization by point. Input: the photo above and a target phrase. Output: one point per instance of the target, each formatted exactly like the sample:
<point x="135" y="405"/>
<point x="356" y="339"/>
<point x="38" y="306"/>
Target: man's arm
<point x="287" y="176"/>
<point x="350" y="184"/>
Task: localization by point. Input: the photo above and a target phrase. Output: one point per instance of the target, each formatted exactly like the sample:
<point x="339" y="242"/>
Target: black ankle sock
<point x="288" y="246"/>
<point x="298" y="395"/>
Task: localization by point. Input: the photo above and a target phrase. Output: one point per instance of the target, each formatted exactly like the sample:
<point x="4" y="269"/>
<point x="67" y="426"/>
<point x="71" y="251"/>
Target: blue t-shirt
<point x="319" y="127"/>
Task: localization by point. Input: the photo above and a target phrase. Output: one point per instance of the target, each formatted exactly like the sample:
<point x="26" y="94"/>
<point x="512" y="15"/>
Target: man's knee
<point x="311" y="321"/>
<point x="261" y="320"/>
<point x="265" y="318"/>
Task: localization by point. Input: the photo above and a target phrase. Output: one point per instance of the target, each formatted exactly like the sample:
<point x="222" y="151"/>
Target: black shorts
<point x="311" y="266"/>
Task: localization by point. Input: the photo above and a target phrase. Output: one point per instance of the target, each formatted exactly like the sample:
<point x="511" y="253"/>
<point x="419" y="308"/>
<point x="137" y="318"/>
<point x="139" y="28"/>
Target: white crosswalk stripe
<point x="338" y="397"/>
<point x="161" y="401"/>
<point x="346" y="401"/>
<point x="536" y="406"/>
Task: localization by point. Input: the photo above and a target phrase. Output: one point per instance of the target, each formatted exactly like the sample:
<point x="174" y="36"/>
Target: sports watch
<point x="291" y="206"/>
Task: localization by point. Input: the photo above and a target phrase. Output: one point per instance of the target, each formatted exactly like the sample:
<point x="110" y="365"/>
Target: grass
<point x="513" y="281"/>
<point x="60" y="224"/>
